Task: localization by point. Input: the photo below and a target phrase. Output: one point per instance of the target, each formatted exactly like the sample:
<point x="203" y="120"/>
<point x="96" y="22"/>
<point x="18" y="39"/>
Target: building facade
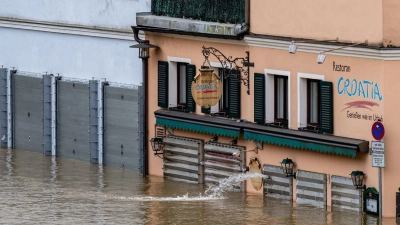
<point x="317" y="112"/>
<point x="70" y="84"/>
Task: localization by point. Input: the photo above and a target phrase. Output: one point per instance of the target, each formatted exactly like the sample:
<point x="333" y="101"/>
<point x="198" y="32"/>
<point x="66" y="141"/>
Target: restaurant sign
<point x="206" y="88"/>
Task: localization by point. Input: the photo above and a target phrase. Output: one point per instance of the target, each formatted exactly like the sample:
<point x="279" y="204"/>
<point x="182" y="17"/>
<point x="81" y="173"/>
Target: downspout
<point x="246" y="27"/>
<point x="145" y="169"/>
<point x="136" y="36"/>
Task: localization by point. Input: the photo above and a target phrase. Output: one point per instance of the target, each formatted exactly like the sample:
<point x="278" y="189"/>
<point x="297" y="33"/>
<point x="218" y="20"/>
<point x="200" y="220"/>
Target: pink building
<point x="318" y="114"/>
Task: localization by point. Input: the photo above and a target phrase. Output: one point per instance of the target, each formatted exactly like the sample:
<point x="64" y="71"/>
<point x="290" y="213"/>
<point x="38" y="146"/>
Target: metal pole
<point x="380" y="193"/>
<point x="144" y="128"/>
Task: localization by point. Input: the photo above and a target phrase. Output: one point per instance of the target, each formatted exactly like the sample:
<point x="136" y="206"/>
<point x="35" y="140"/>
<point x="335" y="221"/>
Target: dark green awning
<point x="344" y="148"/>
<point x="197" y="123"/>
<point x="323" y="143"/>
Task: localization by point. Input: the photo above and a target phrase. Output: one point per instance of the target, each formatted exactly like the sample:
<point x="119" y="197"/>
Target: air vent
<point x="160" y="132"/>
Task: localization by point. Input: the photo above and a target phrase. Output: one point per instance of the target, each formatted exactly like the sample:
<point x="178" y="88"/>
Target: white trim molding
<point x="270" y="93"/>
<point x="172" y="78"/>
<point x="302" y="95"/>
<point x="125" y="34"/>
<point x="367" y="53"/>
<point x="120" y="34"/>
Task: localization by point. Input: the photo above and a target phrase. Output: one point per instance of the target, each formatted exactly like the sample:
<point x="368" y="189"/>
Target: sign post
<point x="378" y="156"/>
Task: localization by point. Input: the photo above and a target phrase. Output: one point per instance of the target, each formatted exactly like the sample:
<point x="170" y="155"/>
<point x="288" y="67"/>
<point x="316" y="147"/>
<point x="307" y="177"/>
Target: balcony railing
<point x="221" y="11"/>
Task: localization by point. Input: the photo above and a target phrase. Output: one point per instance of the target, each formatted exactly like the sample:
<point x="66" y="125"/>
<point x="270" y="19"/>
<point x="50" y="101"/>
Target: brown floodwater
<point x="35" y="189"/>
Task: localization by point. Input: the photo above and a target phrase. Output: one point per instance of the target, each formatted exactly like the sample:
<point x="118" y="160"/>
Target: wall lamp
<point x="293" y="46"/>
<point x="144" y="52"/>
<point x="157" y="145"/>
<point x="237" y="154"/>
<point x="358" y="178"/>
<point x="214" y="139"/>
<point x="233" y="142"/>
<point x="321" y="56"/>
<point x="287" y="167"/>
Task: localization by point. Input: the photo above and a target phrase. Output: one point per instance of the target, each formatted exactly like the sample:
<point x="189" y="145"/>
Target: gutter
<point x="246" y="27"/>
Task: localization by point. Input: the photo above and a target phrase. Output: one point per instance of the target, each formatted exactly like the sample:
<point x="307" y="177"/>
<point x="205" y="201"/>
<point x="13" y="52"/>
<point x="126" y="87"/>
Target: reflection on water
<point x="37" y="189"/>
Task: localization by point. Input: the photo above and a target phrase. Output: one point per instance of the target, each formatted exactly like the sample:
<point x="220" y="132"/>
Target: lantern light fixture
<point x="321" y="56"/>
<point x="237" y="154"/>
<point x="358" y="178"/>
<point x="287" y="167"/>
<point x="144" y="49"/>
<point x="293" y="46"/>
<point x="157" y="145"/>
<point x="233" y="142"/>
<point x="214" y="139"/>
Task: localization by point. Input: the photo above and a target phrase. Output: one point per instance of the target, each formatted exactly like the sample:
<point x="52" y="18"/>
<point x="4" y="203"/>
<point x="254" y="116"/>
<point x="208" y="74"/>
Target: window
<point x="174" y="84"/>
<point x="272" y="98"/>
<point x="229" y="103"/>
<point x="313" y="102"/>
<point x="181" y="84"/>
<point x="281" y="100"/>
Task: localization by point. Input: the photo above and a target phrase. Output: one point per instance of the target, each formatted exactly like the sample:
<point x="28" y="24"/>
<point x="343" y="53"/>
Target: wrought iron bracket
<point x="240" y="64"/>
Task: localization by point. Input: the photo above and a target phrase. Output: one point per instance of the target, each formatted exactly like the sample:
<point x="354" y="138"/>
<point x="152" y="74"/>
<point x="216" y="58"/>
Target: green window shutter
<point x="259" y="98"/>
<point x="234" y="95"/>
<point x="326" y="106"/>
<point x="163" y="84"/>
<point x="205" y="110"/>
<point x="190" y="74"/>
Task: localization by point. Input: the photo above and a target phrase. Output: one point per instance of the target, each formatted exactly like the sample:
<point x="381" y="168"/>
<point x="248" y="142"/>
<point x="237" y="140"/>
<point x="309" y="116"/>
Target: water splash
<point x="213" y="192"/>
<point x="228" y="184"/>
<point x="185" y="198"/>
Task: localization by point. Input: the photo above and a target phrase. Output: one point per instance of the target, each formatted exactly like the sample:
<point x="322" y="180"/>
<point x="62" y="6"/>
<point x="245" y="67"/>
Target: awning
<point x="323" y="143"/>
<point x="197" y="123"/>
<point x="306" y="140"/>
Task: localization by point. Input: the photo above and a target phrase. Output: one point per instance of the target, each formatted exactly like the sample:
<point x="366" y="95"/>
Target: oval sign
<point x="254" y="167"/>
<point x="378" y="131"/>
<point x="206" y="88"/>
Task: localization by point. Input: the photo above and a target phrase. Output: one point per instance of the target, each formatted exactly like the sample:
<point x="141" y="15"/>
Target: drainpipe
<point x="246" y="27"/>
<point x="145" y="110"/>
<point x="136" y="36"/>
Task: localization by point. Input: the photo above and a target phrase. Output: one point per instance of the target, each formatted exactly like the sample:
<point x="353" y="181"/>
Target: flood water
<point x="35" y="189"/>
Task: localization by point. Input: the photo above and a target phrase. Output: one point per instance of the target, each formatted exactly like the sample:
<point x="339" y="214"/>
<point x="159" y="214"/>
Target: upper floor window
<point x="281" y="99"/>
<point x="174" y="84"/>
<point x="181" y="84"/>
<point x="272" y="98"/>
<point x="313" y="102"/>
<point x="229" y="103"/>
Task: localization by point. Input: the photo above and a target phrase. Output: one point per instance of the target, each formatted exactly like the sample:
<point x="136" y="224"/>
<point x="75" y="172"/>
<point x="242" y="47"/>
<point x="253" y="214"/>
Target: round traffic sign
<point x="378" y="131"/>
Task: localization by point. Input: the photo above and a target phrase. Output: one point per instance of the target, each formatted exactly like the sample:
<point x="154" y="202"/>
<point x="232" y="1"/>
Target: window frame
<point x="302" y="105"/>
<point x="269" y="75"/>
<point x="225" y="88"/>
<point x="317" y="124"/>
<point x="178" y="85"/>
<point x="285" y="98"/>
<point x="172" y="78"/>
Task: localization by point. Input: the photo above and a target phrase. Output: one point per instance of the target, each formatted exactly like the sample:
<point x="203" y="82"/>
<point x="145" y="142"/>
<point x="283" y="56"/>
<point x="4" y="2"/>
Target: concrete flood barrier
<point x="183" y="159"/>
<point x="73" y="137"/>
<point x="311" y="188"/>
<point x="344" y="195"/>
<point x="277" y="185"/>
<point x="195" y="161"/>
<point x="121" y="124"/>
<point x="27" y="111"/>
<point x="222" y="160"/>
<point x="91" y="121"/>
